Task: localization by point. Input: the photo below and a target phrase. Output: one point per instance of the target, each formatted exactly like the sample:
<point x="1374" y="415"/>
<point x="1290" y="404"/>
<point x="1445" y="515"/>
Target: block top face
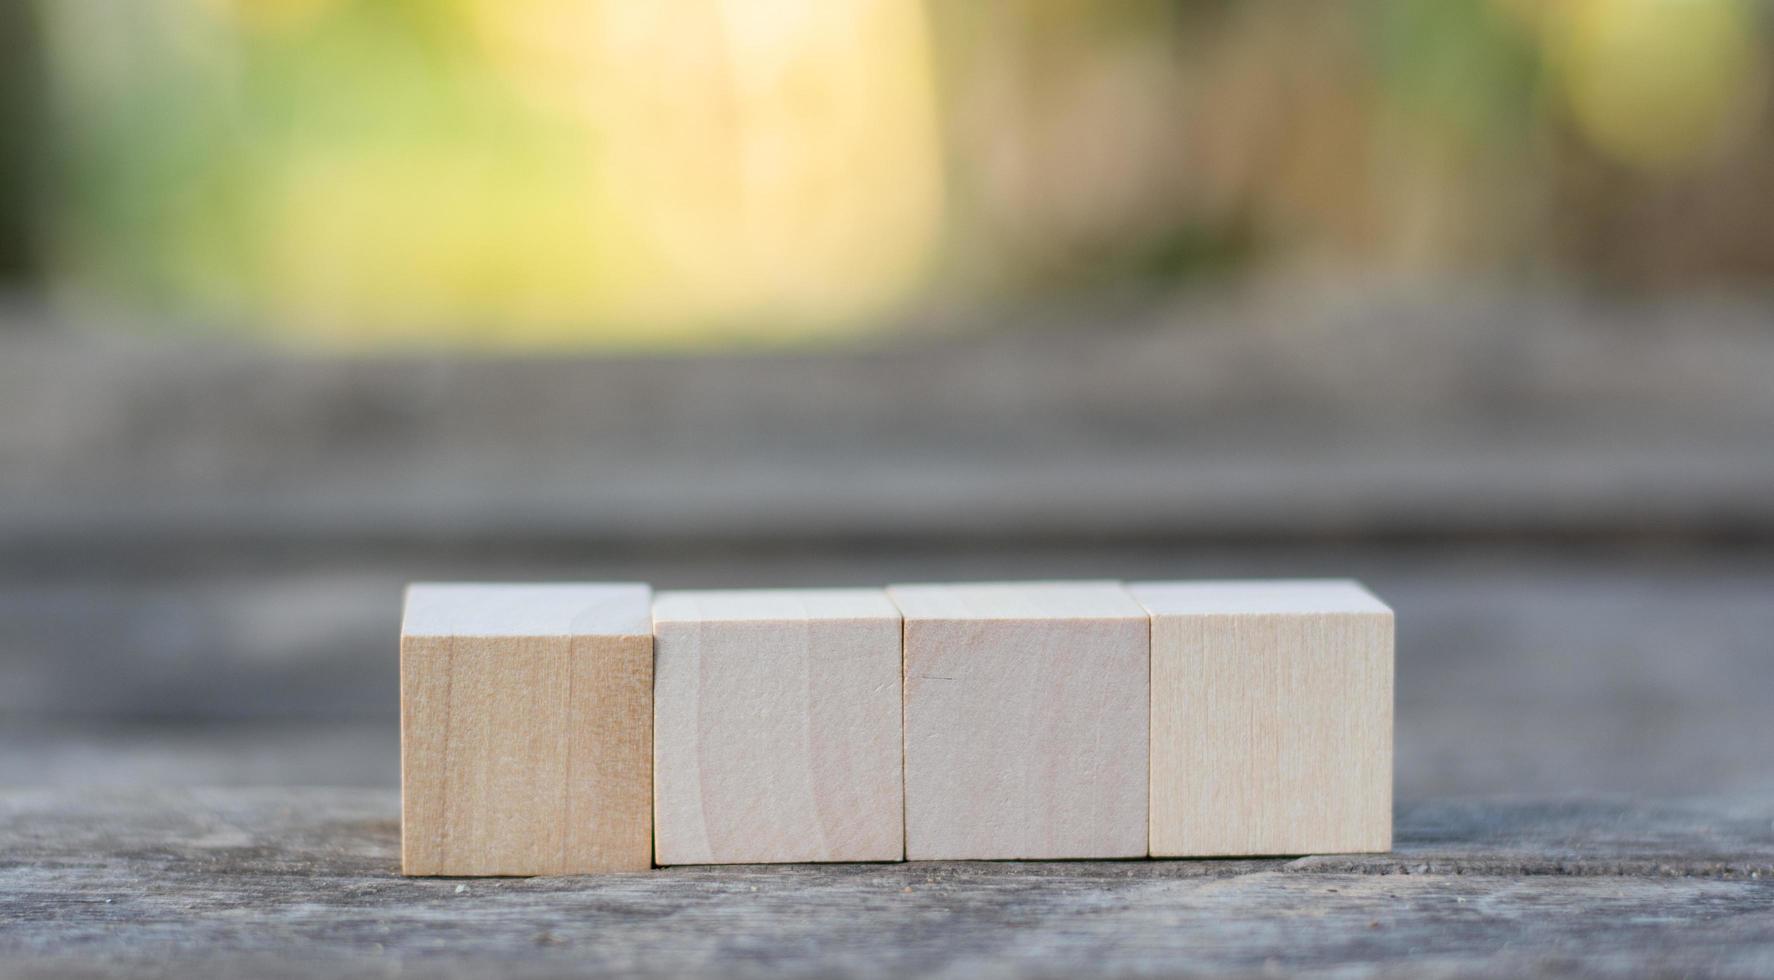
<point x="1016" y="600"/>
<point x="1276" y="597"/>
<point x="551" y="609"/>
<point x="770" y="605"/>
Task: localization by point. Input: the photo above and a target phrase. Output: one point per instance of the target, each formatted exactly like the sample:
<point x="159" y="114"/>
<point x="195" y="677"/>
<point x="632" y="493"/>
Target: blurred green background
<point x="559" y="173"/>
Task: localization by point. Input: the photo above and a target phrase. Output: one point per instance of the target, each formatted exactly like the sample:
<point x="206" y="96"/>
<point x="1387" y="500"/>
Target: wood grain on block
<point x="526" y="729"/>
<point x="1271" y="718"/>
<point x="777" y="727"/>
<point x="1026" y="710"/>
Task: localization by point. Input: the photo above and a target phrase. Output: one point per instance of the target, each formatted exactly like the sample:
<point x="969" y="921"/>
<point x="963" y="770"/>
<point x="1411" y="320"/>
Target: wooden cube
<point x="526" y="729"/>
<point x="777" y="727"/>
<point x="1026" y="706"/>
<point x="1271" y="718"/>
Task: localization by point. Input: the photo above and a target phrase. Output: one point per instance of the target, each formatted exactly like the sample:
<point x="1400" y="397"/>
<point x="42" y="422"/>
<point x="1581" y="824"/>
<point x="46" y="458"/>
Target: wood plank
<point x="777" y="727"/>
<point x="284" y="882"/>
<point x="526" y="729"/>
<point x="1527" y="415"/>
<point x="1271" y="717"/>
<point x="1025" y="720"/>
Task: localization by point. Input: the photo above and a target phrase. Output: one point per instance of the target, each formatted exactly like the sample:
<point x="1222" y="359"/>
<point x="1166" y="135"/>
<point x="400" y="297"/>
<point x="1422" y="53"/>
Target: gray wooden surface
<point x="283" y="882"/>
<point x="1429" y="416"/>
<point x="1568" y="504"/>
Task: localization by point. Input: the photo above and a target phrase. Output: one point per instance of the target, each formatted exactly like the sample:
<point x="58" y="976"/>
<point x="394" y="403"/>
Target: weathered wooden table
<point x="273" y="882"/>
<point x="201" y="555"/>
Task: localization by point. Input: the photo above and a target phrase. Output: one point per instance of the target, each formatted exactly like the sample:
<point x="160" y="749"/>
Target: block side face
<point x="773" y="605"/>
<point x="608" y="768"/>
<point x="1015" y="601"/>
<point x="485" y="725"/>
<point x="1014" y="752"/>
<point x="1272" y="734"/>
<point x="1257" y="597"/>
<point x="1183" y="715"/>
<point x="541" y="609"/>
<point x="680" y="836"/>
<point x="778" y="742"/>
<point x="1377" y="691"/>
<point x="424" y="704"/>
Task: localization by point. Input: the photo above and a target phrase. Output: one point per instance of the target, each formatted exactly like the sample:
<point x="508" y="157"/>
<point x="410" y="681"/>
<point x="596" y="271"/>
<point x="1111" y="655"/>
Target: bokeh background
<point x="304" y="299"/>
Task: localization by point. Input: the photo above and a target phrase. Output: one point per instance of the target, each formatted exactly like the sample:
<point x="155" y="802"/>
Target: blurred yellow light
<point x="771" y="169"/>
<point x="513" y="172"/>
<point x="1656" y="83"/>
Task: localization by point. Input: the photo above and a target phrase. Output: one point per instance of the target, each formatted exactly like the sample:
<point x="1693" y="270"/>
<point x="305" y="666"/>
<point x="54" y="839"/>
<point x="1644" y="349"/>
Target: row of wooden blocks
<point x="574" y="728"/>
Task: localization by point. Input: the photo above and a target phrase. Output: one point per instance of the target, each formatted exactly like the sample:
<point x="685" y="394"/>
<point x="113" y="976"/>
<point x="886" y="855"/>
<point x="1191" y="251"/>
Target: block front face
<point x="1026" y="722"/>
<point x="1271" y="718"/>
<point x="777" y="720"/>
<point x="524" y="753"/>
<point x="609" y="763"/>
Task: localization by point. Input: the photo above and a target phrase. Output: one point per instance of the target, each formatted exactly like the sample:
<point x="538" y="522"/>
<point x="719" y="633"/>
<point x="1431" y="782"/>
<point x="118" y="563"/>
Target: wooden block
<point x="526" y="729"/>
<point x="777" y="716"/>
<point x="1025" y="720"/>
<point x="1271" y="718"/>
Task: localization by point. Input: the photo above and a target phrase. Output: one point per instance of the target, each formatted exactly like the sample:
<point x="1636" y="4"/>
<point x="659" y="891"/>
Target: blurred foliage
<point x="1463" y="68"/>
<point x="542" y="169"/>
<point x="591" y="171"/>
<point x="21" y="122"/>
